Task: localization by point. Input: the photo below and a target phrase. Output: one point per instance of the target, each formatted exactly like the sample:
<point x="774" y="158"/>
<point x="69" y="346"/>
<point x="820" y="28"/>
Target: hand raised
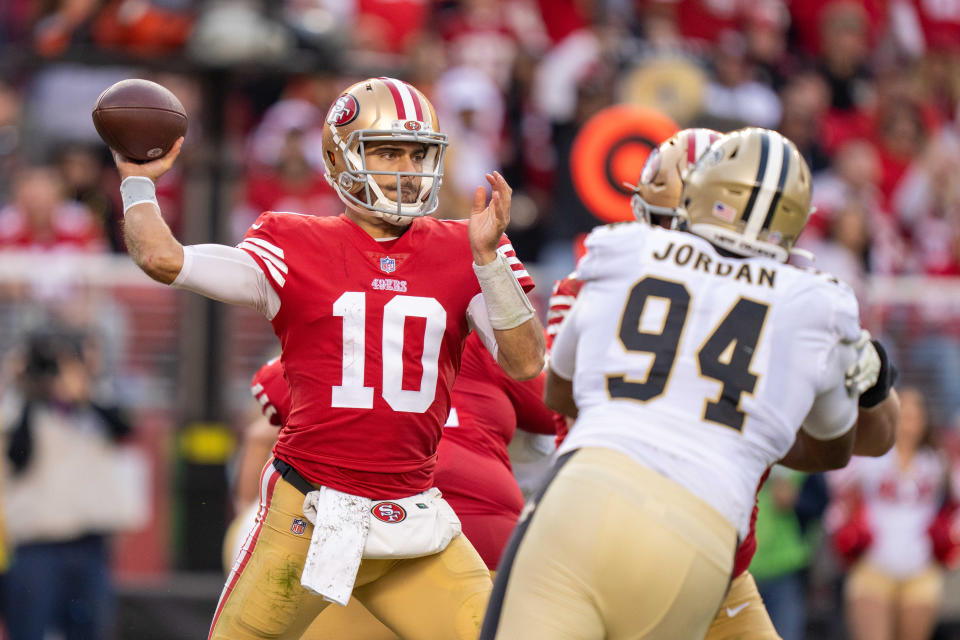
<point x="487" y="223"/>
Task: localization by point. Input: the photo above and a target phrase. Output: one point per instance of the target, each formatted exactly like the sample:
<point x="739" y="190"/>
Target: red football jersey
<point x="271" y="391"/>
<point x="562" y="297"/>
<point x="473" y="467"/>
<point x="371" y="334"/>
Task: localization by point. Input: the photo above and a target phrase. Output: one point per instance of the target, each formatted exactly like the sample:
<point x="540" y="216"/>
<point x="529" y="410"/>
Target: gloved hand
<point x="863" y="373"/>
<point x="873" y="375"/>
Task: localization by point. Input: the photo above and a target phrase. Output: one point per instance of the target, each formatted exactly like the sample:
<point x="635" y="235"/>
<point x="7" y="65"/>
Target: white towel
<point x="340" y="525"/>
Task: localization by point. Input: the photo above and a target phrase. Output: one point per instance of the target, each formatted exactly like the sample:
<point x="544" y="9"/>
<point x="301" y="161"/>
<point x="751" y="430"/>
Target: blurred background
<point x="869" y="91"/>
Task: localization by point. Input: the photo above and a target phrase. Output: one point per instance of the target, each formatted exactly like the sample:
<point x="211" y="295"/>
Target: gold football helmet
<point x="749" y="194"/>
<point x="661" y="181"/>
<point x="376" y="110"/>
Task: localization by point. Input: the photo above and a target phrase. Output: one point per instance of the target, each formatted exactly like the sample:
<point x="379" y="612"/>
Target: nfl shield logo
<point x="298" y="526"/>
<point x="388" y="265"/>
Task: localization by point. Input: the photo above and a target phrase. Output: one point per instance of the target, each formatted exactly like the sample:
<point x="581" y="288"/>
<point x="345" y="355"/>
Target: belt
<point x="292" y="476"/>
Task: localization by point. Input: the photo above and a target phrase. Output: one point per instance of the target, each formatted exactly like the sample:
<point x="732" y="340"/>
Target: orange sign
<point x="610" y="149"/>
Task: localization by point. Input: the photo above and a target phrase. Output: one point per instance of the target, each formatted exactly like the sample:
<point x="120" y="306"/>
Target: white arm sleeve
<point x="479" y="321"/>
<point x="229" y="275"/>
<point x="833" y="412"/>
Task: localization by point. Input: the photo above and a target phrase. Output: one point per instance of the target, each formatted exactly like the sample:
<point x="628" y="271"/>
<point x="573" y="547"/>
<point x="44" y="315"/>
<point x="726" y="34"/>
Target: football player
<point x="372" y="309"/>
<point x="473" y="468"/>
<point x="679" y="407"/>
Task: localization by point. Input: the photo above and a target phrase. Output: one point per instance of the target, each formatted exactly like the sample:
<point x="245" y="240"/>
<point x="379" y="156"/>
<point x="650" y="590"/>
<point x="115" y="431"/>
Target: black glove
<point x="885" y="381"/>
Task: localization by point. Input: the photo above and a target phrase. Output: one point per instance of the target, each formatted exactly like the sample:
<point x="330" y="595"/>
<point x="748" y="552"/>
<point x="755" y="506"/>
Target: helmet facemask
<point x="357" y="184"/>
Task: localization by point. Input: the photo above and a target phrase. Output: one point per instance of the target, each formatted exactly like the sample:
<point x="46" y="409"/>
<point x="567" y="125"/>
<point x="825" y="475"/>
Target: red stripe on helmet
<point x="416" y="100"/>
<point x="397" y="100"/>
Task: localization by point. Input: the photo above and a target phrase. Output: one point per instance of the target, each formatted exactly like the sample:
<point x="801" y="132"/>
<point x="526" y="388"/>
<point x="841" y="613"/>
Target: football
<point x="140" y="119"/>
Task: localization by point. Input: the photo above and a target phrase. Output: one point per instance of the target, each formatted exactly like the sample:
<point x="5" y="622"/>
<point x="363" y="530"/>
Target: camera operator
<point x="63" y="491"/>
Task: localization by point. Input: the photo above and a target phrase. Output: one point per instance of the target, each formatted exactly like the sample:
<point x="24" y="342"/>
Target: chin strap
<point x="803" y="253"/>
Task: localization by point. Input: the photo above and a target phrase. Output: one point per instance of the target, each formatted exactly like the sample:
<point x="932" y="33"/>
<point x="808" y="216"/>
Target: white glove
<point x="865" y="372"/>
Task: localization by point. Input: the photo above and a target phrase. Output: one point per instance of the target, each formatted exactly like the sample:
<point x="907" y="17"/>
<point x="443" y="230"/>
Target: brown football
<point x="139" y="118"/>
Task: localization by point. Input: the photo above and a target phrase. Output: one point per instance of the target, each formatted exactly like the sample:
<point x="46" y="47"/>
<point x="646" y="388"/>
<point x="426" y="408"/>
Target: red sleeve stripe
<point x="518" y="269"/>
<point x="273" y="264"/>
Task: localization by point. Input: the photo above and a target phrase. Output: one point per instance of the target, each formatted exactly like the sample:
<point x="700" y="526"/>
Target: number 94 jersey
<point x="701" y="366"/>
<point x="371" y="335"/>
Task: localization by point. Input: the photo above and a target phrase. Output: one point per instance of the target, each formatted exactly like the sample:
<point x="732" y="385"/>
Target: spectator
<point x="40" y="218"/>
<point x="783" y="553"/>
<point x="927" y="201"/>
<point x="81" y="170"/>
<point x="735" y="94"/>
<point x="805" y="100"/>
<point x="63" y="492"/>
<point x="844" y="51"/>
<point x="893" y="592"/>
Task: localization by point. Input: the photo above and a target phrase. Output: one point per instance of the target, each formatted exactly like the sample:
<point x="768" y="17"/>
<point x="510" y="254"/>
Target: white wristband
<point x="136" y="190"/>
<point x="507" y="304"/>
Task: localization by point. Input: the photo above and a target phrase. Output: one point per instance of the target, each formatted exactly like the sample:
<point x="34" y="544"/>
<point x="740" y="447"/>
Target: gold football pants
<point x="611" y="550"/>
<point x="742" y="616"/>
<point x="437" y="597"/>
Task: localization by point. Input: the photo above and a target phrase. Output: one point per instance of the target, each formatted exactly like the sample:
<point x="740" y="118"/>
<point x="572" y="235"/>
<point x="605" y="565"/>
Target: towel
<point x="340" y="525"/>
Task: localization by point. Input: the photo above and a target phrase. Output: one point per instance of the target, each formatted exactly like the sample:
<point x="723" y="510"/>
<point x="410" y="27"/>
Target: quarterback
<point x="473" y="467"/>
<point x="372" y="309"/>
<point x="690" y="360"/>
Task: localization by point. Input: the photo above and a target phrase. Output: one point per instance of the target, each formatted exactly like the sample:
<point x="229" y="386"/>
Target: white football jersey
<point x="703" y="367"/>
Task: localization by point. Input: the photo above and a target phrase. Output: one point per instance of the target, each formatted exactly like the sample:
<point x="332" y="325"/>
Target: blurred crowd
<point x="868" y="90"/>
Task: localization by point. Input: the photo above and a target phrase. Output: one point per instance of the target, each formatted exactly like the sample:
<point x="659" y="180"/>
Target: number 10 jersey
<point x="703" y="366"/>
<point x="371" y="335"/>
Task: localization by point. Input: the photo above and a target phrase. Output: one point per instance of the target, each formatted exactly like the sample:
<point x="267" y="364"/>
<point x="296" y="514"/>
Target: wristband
<point x="885" y="381"/>
<point x="136" y="190"/>
<point x="507" y="304"/>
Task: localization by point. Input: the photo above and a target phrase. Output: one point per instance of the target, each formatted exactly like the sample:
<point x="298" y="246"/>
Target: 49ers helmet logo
<point x="343" y="111"/>
<point x="412" y="125"/>
<point x="388" y="512"/>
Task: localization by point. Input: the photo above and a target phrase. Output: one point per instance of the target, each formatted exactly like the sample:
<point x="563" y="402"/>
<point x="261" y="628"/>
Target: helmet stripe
<point x="784" y="170"/>
<point x="415" y="100"/>
<point x="764" y="151"/>
<point x="756" y="213"/>
<point x="397" y="100"/>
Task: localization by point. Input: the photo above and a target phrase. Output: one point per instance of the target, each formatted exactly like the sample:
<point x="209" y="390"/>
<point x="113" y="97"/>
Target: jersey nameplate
<point x="686" y="255"/>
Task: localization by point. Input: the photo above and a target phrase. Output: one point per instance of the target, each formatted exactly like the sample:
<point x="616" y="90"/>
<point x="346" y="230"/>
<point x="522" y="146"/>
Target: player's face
<point x="397" y="156"/>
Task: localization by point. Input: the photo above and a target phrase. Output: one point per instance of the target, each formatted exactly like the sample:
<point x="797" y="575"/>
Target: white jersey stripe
<point x="768" y="188"/>
<point x="266" y="257"/>
<point x="274" y="260"/>
<point x="256" y="389"/>
<point x="272" y="248"/>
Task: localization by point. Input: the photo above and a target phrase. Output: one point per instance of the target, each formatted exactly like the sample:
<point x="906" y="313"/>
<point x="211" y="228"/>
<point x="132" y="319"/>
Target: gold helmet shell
<point x="376" y="110"/>
<point x="749" y="194"/>
<point x="661" y="181"/>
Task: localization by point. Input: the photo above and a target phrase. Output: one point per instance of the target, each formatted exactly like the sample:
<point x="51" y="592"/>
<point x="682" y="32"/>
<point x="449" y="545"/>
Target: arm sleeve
<point x="227" y="274"/>
<point x="519" y="270"/>
<point x="477" y="316"/>
<point x="563" y="355"/>
<point x="834" y="411"/>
